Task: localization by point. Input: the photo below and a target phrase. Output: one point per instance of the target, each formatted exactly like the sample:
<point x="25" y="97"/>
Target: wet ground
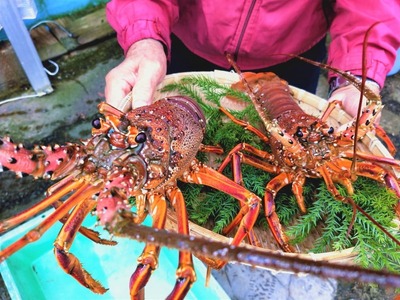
<point x="65" y="116"/>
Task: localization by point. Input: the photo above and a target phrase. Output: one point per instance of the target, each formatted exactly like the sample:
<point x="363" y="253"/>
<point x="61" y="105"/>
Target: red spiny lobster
<point x="306" y="146"/>
<point x="141" y="154"/>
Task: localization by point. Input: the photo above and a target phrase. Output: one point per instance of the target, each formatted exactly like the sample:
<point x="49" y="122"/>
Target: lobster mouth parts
<point x="131" y="164"/>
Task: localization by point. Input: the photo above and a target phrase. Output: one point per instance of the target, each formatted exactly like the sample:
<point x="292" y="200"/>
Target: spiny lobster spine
<point x="42" y="161"/>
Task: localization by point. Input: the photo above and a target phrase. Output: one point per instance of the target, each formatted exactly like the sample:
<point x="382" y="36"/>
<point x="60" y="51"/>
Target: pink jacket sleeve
<point x="134" y="20"/>
<point x="348" y="29"/>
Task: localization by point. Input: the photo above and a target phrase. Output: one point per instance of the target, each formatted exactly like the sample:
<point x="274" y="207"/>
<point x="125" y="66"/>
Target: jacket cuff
<point x="144" y="29"/>
<point x="376" y="70"/>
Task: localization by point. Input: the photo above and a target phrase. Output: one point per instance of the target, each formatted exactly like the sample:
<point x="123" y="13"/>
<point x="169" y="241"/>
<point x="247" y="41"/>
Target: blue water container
<point x="33" y="273"/>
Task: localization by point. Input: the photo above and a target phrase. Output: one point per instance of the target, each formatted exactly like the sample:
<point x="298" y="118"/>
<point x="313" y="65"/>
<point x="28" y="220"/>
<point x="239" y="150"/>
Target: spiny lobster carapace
<point x="305" y="146"/>
<point x="140" y="154"/>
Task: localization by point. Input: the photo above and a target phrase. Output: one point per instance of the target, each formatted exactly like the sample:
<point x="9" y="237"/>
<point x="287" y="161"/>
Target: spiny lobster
<point x="140" y="154"/>
<point x="305" y="146"/>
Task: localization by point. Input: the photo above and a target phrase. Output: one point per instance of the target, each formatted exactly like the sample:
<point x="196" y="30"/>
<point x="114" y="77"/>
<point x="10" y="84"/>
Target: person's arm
<point x="143" y="31"/>
<point x="349" y="26"/>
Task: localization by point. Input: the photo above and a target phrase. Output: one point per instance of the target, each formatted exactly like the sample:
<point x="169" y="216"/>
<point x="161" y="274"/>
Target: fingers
<point x="119" y="83"/>
<point x="149" y="76"/>
<point x="141" y="71"/>
<point x="349" y="96"/>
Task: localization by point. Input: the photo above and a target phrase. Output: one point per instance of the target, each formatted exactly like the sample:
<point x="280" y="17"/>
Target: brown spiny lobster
<point x="304" y="146"/>
<point x="140" y="154"/>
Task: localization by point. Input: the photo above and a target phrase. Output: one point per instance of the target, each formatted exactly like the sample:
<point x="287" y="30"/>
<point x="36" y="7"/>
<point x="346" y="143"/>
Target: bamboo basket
<point x="311" y="104"/>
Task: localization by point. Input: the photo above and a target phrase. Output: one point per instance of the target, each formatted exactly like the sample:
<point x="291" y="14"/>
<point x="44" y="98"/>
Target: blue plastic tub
<point x="33" y="273"/>
<point x="396" y="66"/>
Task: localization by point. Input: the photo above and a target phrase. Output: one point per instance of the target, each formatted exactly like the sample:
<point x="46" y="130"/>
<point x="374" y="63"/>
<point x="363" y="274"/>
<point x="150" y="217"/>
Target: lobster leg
<point x="45" y="203"/>
<point x="245" y="125"/>
<point x="202" y="174"/>
<point x="250" y="160"/>
<point x="271" y="190"/>
<point x="380" y="174"/>
<point x="371" y="158"/>
<point x="38" y="207"/>
<point x="40" y="162"/>
<point x="211" y="149"/>
<point x="141" y="212"/>
<point x="185" y="273"/>
<point x="238" y="178"/>
<point x="326" y="175"/>
<point x="269" y="197"/>
<point x="375" y="172"/>
<point x="84" y="190"/>
<point x="148" y="260"/>
<point x="235" y="156"/>
<point x="367" y="170"/>
<point x="68" y="262"/>
<point x="380" y="132"/>
<point x="330" y="107"/>
<point x="88" y="233"/>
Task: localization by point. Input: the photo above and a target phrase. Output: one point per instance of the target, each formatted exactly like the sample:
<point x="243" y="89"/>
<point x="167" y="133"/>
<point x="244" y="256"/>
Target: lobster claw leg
<point x="147" y="264"/>
<point x="182" y="287"/>
<point x="148" y="260"/>
<point x="186" y="275"/>
<point x="71" y="265"/>
<point x="68" y="262"/>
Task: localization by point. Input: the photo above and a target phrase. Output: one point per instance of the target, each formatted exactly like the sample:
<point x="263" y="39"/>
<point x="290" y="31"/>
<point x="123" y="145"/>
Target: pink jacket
<point x="256" y="31"/>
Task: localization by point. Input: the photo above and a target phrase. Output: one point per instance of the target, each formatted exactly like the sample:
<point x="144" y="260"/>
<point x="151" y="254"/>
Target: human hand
<point x="143" y="68"/>
<point x="349" y="97"/>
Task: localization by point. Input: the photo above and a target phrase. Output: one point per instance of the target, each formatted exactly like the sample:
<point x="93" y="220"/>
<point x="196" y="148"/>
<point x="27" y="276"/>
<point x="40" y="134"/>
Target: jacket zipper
<point x="246" y="22"/>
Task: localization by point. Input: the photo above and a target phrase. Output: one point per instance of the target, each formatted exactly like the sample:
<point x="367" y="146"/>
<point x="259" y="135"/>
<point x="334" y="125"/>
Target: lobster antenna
<point x="384" y="230"/>
<point x="356" y="208"/>
<point x="265" y="258"/>
<point x="362" y="88"/>
<point x="238" y="71"/>
<point x="251" y="93"/>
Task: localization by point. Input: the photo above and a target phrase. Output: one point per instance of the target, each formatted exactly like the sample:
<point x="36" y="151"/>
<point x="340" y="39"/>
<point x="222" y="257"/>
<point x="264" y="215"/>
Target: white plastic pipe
<point x="19" y="37"/>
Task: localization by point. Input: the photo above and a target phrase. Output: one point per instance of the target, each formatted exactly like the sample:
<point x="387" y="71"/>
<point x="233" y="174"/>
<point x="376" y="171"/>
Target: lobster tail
<point x="270" y="94"/>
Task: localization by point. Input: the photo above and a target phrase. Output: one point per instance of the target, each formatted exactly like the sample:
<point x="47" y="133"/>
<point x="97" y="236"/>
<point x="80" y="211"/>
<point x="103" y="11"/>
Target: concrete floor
<point x="65" y="115"/>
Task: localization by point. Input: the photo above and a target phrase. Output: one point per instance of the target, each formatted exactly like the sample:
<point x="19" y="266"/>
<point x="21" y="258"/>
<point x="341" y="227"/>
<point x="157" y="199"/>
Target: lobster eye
<point x="299" y="132"/>
<point x="331" y="130"/>
<point x="140" y="138"/>
<point x="96" y="123"/>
